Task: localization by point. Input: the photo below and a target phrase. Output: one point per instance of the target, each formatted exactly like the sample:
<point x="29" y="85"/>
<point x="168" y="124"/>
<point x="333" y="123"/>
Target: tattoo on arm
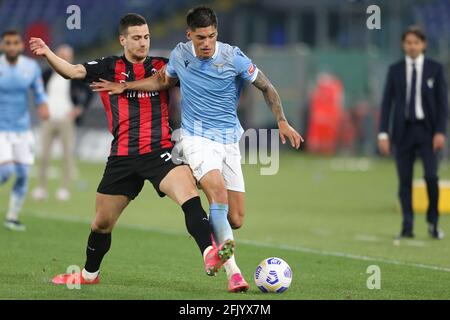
<point x="270" y="95"/>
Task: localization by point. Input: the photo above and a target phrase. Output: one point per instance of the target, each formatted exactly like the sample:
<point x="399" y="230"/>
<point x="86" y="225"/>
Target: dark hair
<point x="201" y="17"/>
<point x="10" y="32"/>
<point x="130" y="20"/>
<point x="417" y="31"/>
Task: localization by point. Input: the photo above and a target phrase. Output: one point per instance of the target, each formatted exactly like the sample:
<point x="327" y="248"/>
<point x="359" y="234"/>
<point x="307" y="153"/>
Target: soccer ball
<point x="273" y="275"/>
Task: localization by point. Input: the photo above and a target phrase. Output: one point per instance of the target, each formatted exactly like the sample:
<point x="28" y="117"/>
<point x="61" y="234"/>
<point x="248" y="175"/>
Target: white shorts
<point x="17" y="147"/>
<point x="204" y="155"/>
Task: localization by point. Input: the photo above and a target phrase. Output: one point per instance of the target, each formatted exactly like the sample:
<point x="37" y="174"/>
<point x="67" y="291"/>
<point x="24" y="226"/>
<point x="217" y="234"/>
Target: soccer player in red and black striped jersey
<point x="141" y="148"/>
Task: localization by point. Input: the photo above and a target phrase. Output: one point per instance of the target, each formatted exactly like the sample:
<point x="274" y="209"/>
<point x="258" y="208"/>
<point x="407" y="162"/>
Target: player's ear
<point x="122" y="40"/>
<point x="188" y="34"/>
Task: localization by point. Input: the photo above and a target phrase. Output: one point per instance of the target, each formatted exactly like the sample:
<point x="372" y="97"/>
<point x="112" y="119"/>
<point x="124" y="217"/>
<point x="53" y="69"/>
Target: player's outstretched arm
<point x="61" y="66"/>
<point x="157" y="82"/>
<point x="274" y="102"/>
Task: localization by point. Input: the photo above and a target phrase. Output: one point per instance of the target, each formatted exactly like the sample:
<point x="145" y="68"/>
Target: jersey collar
<point x="131" y="63"/>
<point x="216" y="51"/>
<point x="4" y="61"/>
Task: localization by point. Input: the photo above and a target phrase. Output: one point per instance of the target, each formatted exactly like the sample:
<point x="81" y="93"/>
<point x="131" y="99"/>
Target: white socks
<point x="206" y="251"/>
<point x="89" y="276"/>
<point x="231" y="267"/>
<point x="15" y="204"/>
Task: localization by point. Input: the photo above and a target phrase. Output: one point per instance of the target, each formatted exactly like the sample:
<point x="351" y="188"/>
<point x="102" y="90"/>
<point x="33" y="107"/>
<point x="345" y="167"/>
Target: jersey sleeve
<point x="245" y="68"/>
<point x="38" y="86"/>
<point x="170" y="69"/>
<point x="96" y="69"/>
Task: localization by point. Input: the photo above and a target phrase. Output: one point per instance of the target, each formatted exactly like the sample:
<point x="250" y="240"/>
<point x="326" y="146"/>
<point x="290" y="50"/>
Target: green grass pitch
<point x="329" y="218"/>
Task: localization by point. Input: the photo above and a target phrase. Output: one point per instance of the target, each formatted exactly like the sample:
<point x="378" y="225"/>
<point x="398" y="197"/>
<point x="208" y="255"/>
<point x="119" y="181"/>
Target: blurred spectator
<point x="325" y="114"/>
<point x="67" y="100"/>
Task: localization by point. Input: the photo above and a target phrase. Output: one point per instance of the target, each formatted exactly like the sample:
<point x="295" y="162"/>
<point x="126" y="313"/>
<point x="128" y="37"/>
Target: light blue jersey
<point x="15" y="82"/>
<point x="210" y="90"/>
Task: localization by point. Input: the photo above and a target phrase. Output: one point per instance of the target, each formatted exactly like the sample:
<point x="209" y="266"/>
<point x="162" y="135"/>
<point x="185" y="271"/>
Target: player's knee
<point x="6" y="171"/>
<point x="236" y="225"/>
<point x="218" y="193"/>
<point x="102" y="227"/>
<point x="236" y="221"/>
<point x="214" y="186"/>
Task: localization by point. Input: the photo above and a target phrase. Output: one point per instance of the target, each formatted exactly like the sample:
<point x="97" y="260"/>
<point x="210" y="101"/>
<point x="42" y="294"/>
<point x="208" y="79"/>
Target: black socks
<point x="197" y="222"/>
<point x="97" y="246"/>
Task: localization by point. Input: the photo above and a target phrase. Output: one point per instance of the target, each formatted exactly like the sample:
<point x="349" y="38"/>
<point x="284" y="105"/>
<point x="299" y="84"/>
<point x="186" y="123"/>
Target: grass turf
<point x="328" y="218"/>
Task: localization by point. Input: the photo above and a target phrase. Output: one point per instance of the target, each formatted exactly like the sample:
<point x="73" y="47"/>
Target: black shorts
<point x="125" y="175"/>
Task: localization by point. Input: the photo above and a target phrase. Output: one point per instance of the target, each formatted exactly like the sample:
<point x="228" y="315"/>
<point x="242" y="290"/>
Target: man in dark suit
<point x="413" y="120"/>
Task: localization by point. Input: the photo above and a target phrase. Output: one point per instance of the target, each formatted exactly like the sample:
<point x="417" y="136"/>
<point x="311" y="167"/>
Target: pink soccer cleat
<point x="73" y="278"/>
<point x="217" y="256"/>
<point x="237" y="283"/>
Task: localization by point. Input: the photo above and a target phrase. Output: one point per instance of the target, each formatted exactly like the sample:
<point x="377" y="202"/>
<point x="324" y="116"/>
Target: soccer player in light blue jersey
<point x="18" y="75"/>
<point x="211" y="76"/>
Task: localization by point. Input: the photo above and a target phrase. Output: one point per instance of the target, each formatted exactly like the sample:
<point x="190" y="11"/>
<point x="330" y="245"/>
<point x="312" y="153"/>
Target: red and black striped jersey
<point x="138" y="121"/>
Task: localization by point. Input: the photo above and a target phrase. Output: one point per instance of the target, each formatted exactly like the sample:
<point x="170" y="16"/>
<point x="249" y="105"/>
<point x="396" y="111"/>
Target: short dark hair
<point x="10" y="32"/>
<point x="130" y="20"/>
<point x="201" y="17"/>
<point x="415" y="30"/>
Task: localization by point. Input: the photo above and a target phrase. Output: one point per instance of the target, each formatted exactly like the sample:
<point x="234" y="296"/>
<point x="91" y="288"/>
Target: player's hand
<point x="162" y="72"/>
<point x="286" y="131"/>
<point x="438" y="142"/>
<point x="43" y="112"/>
<point x="38" y="47"/>
<point x="384" y="146"/>
<point x="110" y="87"/>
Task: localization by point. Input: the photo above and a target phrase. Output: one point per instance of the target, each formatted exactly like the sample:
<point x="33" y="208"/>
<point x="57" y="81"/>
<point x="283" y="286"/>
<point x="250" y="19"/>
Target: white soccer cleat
<point x="14" y="225"/>
<point x="63" y="194"/>
<point x="39" y="194"/>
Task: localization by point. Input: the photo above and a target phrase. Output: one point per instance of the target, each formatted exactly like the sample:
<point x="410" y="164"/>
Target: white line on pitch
<point x="258" y="244"/>
<point x="415" y="243"/>
<point x="344" y="255"/>
<point x="366" y="237"/>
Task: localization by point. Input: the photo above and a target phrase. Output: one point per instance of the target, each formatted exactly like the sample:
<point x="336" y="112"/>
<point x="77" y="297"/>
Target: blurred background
<point x="327" y="65"/>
